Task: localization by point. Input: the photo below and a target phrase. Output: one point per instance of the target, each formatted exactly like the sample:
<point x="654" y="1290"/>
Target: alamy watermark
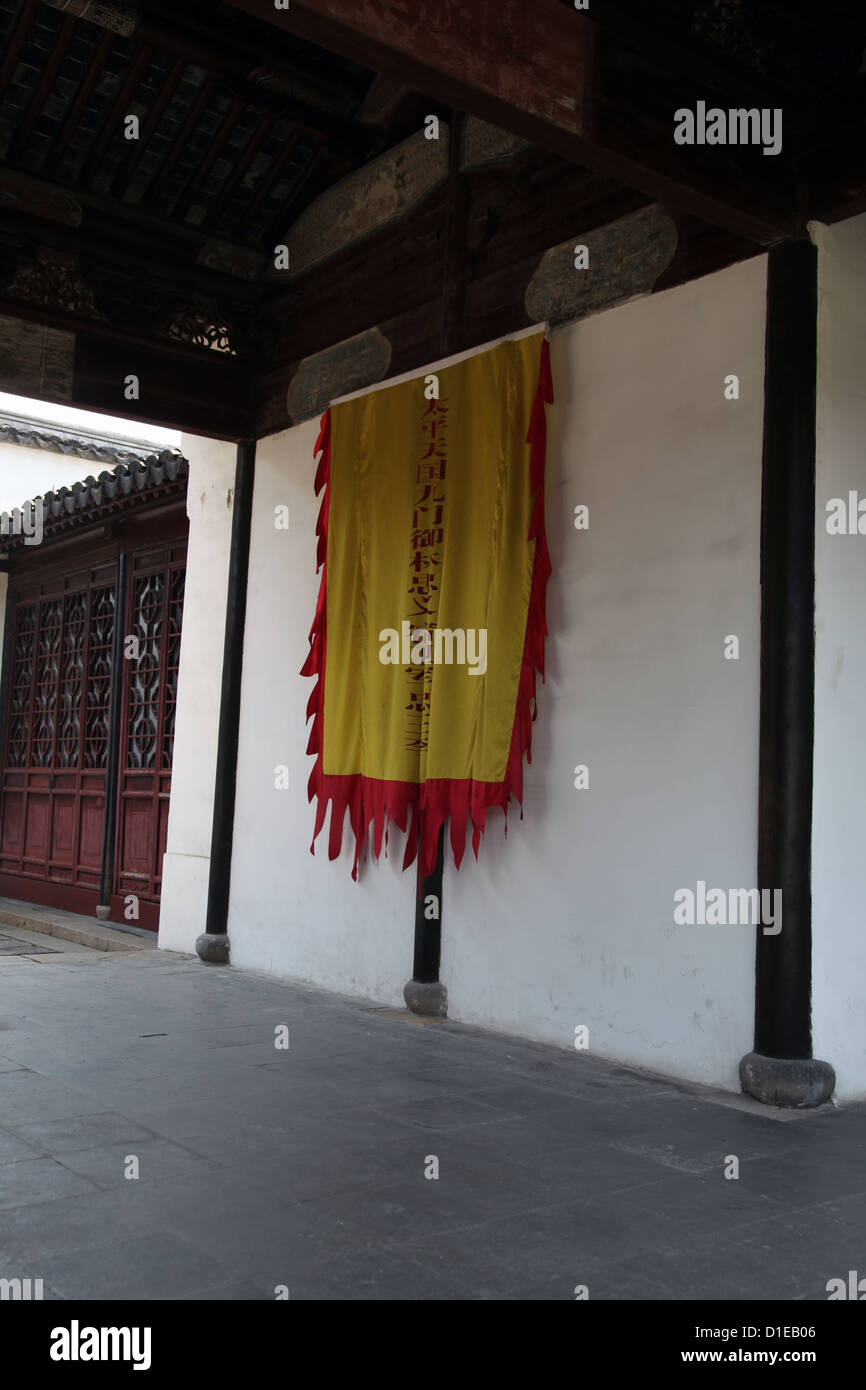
<point x="854" y="1288"/>
<point x="740" y="126"/>
<point x="26" y="521"/>
<point x="736" y="907"/>
<point x="77" y="1343"/>
<point x="21" y="1290"/>
<point x="846" y="518"/>
<point x="440" y="646"/>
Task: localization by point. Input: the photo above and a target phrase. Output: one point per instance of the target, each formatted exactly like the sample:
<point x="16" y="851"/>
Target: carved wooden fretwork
<point x="117" y="18"/>
<point x="199" y="325"/>
<point x="54" y="281"/>
<point x="18" y="193"/>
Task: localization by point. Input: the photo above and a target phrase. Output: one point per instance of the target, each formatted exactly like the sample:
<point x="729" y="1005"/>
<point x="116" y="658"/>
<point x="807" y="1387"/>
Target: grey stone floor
<point x="305" y="1167"/>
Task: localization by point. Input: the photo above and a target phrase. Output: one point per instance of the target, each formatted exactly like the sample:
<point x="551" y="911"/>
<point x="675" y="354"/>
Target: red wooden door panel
<point x="154" y="617"/>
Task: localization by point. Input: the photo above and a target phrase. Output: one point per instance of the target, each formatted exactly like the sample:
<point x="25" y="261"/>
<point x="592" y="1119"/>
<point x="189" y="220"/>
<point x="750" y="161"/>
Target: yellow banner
<point x="429" y="570"/>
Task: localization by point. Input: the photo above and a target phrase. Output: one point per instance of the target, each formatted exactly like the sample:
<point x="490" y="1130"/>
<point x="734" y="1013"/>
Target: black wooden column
<point x="424" y="993"/>
<point x="781" y="1070"/>
<point x="213" y="945"/>
<point x="112" y="762"/>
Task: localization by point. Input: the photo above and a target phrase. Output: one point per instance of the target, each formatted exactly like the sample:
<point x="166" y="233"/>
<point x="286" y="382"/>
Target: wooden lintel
<point x="209" y="395"/>
<point x="409" y="317"/>
<point x="87" y="366"/>
<point x="452" y="49"/>
<point x="528" y="68"/>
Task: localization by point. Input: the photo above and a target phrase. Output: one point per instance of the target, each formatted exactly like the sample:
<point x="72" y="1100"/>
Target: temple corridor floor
<point x="307" y="1159"/>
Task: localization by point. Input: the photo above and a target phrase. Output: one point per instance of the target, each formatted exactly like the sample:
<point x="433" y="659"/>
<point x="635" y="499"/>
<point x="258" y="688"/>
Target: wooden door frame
<point x="152" y="537"/>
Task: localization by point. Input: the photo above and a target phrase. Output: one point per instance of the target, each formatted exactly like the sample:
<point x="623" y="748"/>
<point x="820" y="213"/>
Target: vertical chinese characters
<point x="428" y="531"/>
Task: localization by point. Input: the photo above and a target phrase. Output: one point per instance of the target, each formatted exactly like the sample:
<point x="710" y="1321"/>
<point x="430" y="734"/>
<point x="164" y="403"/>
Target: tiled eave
<point x="30" y="434"/>
<point x="101" y="498"/>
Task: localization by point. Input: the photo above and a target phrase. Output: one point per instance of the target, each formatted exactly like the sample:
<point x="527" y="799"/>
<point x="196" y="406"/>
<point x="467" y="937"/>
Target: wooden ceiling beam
<point x="181" y="388"/>
<point x="831" y="210"/>
<point x="658" y="34"/>
<point x="530" y="69"/>
<point x="454" y="48"/>
<point x="833" y="162"/>
<point x="204" y="393"/>
<point x="409" y="313"/>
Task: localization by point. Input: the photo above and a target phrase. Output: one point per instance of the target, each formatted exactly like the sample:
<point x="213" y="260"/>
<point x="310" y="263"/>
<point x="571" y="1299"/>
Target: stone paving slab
<point x="154" y="1143"/>
<point x="11" y="945"/>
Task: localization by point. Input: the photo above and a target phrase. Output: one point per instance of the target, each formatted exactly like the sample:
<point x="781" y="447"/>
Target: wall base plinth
<point x="798" y="1083"/>
<point x="428" y="999"/>
<point x="213" y="948"/>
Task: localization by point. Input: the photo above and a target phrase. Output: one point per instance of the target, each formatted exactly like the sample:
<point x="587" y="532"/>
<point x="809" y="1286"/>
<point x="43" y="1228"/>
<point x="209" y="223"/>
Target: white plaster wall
<point x="186" y="864"/>
<point x="293" y="913"/>
<point x="838" y="860"/>
<point x="26" y="473"/>
<point x="571" y="922"/>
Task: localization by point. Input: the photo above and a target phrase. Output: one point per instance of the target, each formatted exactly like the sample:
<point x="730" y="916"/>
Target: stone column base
<point x="103" y="912"/>
<point x="428" y="999"/>
<point x="800" y="1083"/>
<point x="213" y="948"/>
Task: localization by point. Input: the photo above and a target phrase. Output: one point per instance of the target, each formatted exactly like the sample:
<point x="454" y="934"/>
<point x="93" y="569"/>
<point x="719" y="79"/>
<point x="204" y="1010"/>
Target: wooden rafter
<point x="162" y="175"/>
<point x="321" y="97"/>
<point x="43" y="87"/>
<point x="270" y="179"/>
<point x="241" y="167"/>
<point x="280" y="221"/>
<point x="214" y="150"/>
<point x="17" y="40"/>
<point x="126" y="172"/>
<point x="85" y="91"/>
<point x="119" y="109"/>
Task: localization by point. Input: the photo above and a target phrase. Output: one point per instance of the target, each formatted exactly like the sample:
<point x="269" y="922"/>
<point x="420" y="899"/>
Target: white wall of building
<point x="26" y="473"/>
<point x="291" y="912"/>
<point x="571" y="921"/>
<point x="838" y="859"/>
<point x="31" y="472"/>
<point x="186" y="864"/>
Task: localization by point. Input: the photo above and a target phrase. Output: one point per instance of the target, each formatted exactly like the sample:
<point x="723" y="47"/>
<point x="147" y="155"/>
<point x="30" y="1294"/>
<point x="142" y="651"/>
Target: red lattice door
<point x="55" y="754"/>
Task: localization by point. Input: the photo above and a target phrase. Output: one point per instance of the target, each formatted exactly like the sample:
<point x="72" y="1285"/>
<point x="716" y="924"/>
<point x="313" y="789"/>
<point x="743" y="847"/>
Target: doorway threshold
<point x="74" y="927"/>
